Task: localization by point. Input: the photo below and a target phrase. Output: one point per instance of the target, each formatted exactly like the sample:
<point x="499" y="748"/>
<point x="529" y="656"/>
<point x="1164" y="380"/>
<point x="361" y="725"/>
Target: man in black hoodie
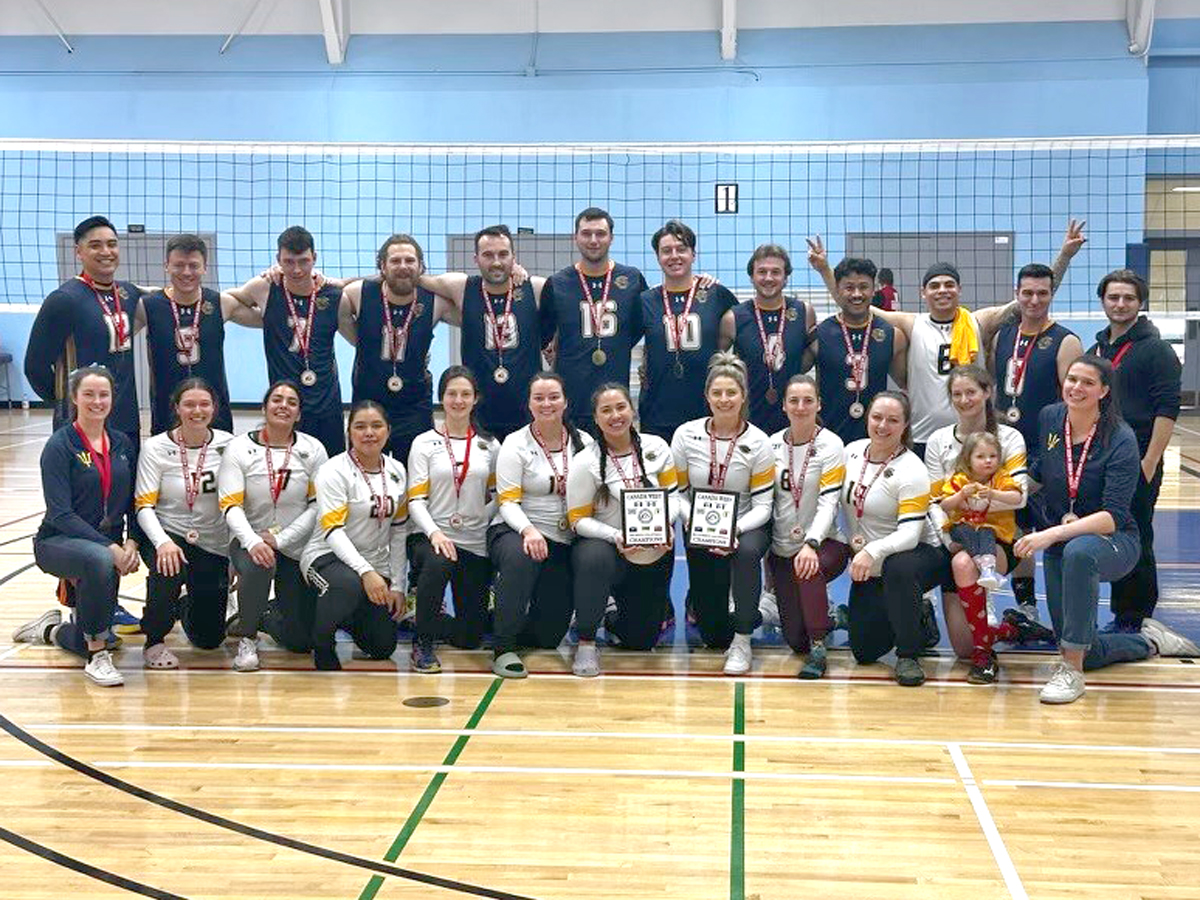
<point x="1147" y="387"/>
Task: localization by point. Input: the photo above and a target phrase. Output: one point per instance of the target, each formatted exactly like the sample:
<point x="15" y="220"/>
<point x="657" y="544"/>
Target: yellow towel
<point x="964" y="345"/>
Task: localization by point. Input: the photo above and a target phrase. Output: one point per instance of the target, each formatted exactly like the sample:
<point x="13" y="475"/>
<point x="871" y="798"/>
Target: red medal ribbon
<point x="1075" y="475"/>
<point x="797" y="484"/>
<point x="560" y="481"/>
<point x="595" y="311"/>
<point x="1019" y="368"/>
<point x="717" y="473"/>
<point x="638" y="473"/>
<point x="112" y="313"/>
<point x="861" y="488"/>
<point x="466" y="464"/>
<point x="1116" y="361"/>
<point x="191" y="479"/>
<point x="378" y="501"/>
<point x="499" y="332"/>
<point x="858" y="361"/>
<point x="770" y="353"/>
<point x="102" y="459"/>
<point x="302" y="329"/>
<point x="677" y="325"/>
<point x="390" y="332"/>
<point x="275" y="482"/>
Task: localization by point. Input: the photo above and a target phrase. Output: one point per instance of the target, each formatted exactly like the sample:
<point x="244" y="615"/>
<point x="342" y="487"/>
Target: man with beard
<point x="593" y="312"/>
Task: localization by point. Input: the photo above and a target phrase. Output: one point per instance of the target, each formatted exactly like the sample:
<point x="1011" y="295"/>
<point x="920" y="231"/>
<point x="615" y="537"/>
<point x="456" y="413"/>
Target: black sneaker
<point x="931" y="635"/>
<point x="909" y="672"/>
<point x="984" y="668"/>
<point x="325" y="659"/>
<point x="423" y="659"/>
<point x="1028" y="631"/>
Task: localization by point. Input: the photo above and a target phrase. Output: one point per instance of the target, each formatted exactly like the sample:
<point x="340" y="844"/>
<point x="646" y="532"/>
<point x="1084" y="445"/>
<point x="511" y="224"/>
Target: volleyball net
<point x="989" y="206"/>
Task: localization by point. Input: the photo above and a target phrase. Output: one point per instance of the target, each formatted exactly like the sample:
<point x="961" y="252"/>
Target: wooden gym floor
<point x="662" y="779"/>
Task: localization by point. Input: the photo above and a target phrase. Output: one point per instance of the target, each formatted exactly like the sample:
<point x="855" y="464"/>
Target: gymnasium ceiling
<point x="339" y="20"/>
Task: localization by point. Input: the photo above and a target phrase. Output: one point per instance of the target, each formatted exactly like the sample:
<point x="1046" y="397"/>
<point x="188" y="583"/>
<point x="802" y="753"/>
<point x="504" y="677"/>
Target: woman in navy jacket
<point x="87" y="481"/>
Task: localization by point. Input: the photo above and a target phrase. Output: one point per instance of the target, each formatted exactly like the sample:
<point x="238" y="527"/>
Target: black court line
<point x="22" y="519"/>
<point x="23" y="537"/>
<point x="15" y="572"/>
<point x="1189" y="470"/>
<point x="76" y="865"/>
<point x="238" y="827"/>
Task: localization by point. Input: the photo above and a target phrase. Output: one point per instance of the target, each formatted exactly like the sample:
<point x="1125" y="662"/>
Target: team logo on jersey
<point x="122" y="293"/>
<point x="84" y="457"/>
<point x="1045" y="342"/>
<point x="207" y="308"/>
<point x="651" y="456"/>
<point x="1052" y="440"/>
<point x="481" y="445"/>
<point x="702" y="295"/>
<point x="792" y="315"/>
<point x="888" y="473"/>
<point x="744" y="448"/>
<point x="303" y="454"/>
<point x="322" y="302"/>
<point x="621" y="281"/>
<point x="877" y="335"/>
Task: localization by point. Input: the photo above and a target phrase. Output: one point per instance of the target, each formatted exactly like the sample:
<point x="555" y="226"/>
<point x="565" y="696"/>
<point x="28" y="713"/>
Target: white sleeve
<point x="333" y="506"/>
<point x="906" y="537"/>
<point x="398" y="550"/>
<point x="339" y="542"/>
<point x="231" y="490"/>
<point x="912" y="507"/>
<point x="833" y="478"/>
<point x="762" y="489"/>
<point x="489" y="508"/>
<point x="418" y="490"/>
<point x="510" y="478"/>
<point x="1016" y="466"/>
<point x="937" y="477"/>
<point x="149" y="481"/>
<point x="581" y="495"/>
<point x="682" y="484"/>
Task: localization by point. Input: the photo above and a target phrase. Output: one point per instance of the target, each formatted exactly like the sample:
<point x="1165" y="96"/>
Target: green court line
<point x="737" y="830"/>
<point x="414" y="818"/>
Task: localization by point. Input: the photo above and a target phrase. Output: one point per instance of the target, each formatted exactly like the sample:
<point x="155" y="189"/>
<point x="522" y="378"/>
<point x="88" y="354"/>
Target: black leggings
<point x="468" y="578"/>
<point x="709" y="577"/>
<point x="289" y="619"/>
<point x="641" y="592"/>
<point x="202" y="612"/>
<point x="343" y="603"/>
<point x="885" y="611"/>
<point x="533" y="599"/>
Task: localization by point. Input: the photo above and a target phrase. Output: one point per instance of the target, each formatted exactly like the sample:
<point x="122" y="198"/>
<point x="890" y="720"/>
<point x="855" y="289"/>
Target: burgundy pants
<point x="804" y="605"/>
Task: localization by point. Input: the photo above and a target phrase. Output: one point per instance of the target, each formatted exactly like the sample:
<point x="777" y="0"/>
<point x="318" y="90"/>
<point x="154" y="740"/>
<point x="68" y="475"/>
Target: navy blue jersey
<point x="284" y="359"/>
<point x="71" y="330"/>
<point x="503" y="406"/>
<point x="412" y="406"/>
<point x="173" y="357"/>
<point x="75" y="503"/>
<point x="1039" y="385"/>
<point x="765" y="412"/>
<point x="833" y="372"/>
<point x="670" y="397"/>
<point x="614" y="330"/>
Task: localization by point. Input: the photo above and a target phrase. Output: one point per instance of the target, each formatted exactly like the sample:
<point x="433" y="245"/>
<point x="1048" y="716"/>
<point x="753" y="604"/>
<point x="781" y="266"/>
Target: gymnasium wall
<point x="819" y="84"/>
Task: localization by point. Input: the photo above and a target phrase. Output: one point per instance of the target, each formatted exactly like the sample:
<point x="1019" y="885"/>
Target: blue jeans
<point x="1073" y="590"/>
<point x="91" y="564"/>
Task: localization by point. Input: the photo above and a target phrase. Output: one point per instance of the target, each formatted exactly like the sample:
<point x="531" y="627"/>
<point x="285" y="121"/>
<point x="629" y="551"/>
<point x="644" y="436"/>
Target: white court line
<point x="489" y="770"/>
<point x="1007" y="870"/>
<point x="1097" y="786"/>
<point x="147" y="728"/>
<point x="1185" y="428"/>
<point x="713" y="677"/>
<point x="12" y="651"/>
<point x="36" y="440"/>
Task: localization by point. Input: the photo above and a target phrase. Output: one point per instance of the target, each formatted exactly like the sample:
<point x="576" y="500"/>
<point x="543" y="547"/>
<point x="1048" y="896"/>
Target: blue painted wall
<point x="819" y="84"/>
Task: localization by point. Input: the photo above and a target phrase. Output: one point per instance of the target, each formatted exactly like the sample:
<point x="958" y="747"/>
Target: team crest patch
<point x="1045" y="342"/>
<point x="481" y="445"/>
<point x="122" y="293"/>
<point x="702" y="295"/>
<point x="621" y="281"/>
<point x="745" y="448"/>
<point x="792" y="315"/>
<point x="1052" y="441"/>
<point x="888" y="473"/>
<point x="207" y="308"/>
<point x="877" y="335"/>
<point x="84" y="457"/>
<point x="322" y="302"/>
<point x="651" y="456"/>
<point x="303" y="454"/>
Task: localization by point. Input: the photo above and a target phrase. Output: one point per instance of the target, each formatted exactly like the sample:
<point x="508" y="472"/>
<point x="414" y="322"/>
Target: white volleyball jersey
<point x="526" y="491"/>
<point x="896" y="508"/>
<point x="941" y="454"/>
<point x="161" y="500"/>
<point x="344" y="504"/>
<point x="816" y="516"/>
<point x="750" y="472"/>
<point x="600" y="517"/>
<point x="928" y="365"/>
<point x="245" y="491"/>
<point x="433" y="503"/>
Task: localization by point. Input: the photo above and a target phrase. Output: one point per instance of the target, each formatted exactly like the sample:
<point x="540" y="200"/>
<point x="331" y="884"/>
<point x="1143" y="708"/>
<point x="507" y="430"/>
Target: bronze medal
<point x="192" y="536"/>
<point x="395" y="384"/>
<point x="456" y="521"/>
<point x="857" y="543"/>
<point x="1069" y="518"/>
<point x="308" y="378"/>
<point x="1013" y="414"/>
<point x="772" y="395"/>
<point x="857" y="410"/>
<point x="599" y="357"/>
<point x="500" y="375"/>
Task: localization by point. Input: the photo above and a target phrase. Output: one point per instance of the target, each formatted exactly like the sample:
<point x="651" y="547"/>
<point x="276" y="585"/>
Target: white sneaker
<point x="1163" y="640"/>
<point x="246" y="658"/>
<point x="738" y="656"/>
<point x="1029" y="611"/>
<point x="587" y="661"/>
<point x="1065" y="685"/>
<point x="101" y="670"/>
<point x="989" y="580"/>
<point x="35" y="632"/>
<point x="768" y="608"/>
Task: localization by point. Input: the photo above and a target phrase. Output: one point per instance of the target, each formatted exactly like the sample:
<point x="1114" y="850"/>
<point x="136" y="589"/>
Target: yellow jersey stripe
<point x="335" y="518"/>
<point x="146" y="500"/>
<point x="668" y="477"/>
<point x="418" y="490"/>
<point x="763" y="478"/>
<point x="913" y="505"/>
<point x="1013" y="465"/>
<point x="229" y="500"/>
<point x="579" y="512"/>
<point x="512" y="495"/>
<point x="834" y="477"/>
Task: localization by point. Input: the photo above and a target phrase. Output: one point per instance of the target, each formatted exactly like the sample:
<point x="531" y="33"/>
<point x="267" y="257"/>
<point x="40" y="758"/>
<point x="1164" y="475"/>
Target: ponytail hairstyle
<point x="1110" y="406"/>
<point x="572" y="431"/>
<point x="727" y="364"/>
<point x="603" y="494"/>
<point x="970" y="442"/>
<point x="191" y="384"/>
<point x="463" y="372"/>
<point x="983" y="378"/>
<point x="811" y="382"/>
<point x="901" y="398"/>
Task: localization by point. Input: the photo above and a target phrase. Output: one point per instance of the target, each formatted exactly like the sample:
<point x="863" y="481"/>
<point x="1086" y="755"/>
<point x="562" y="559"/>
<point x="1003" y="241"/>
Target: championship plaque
<point x="645" y="517"/>
<point x="714" y="519"/>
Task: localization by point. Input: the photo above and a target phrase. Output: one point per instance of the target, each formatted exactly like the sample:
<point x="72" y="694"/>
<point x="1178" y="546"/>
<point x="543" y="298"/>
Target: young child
<point x="967" y="500"/>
